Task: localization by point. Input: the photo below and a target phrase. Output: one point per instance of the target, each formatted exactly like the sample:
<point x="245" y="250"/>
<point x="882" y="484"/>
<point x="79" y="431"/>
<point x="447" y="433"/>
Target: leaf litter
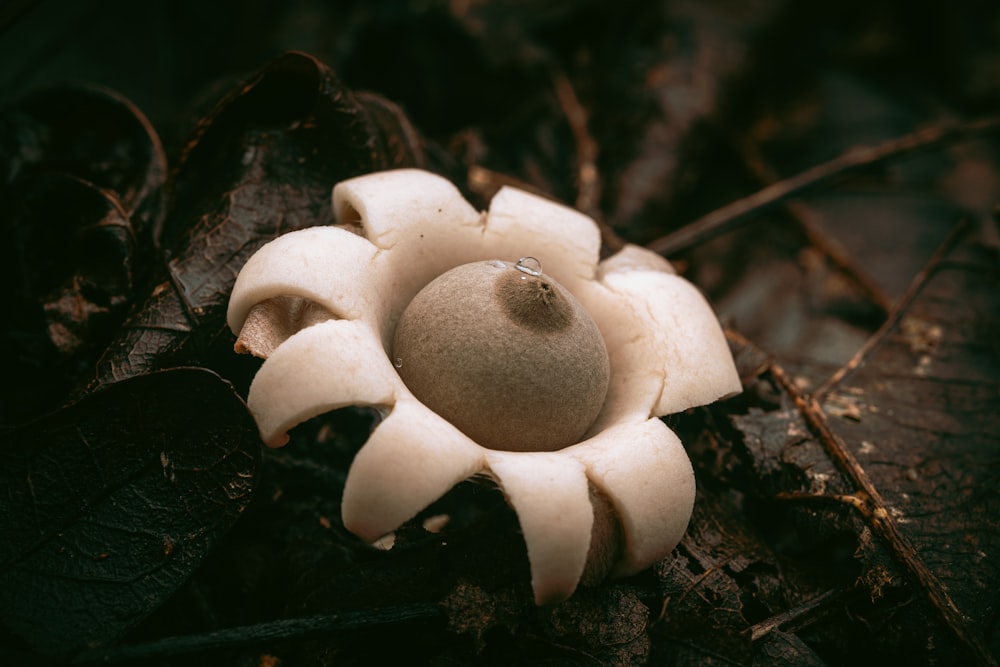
<point x="845" y="507"/>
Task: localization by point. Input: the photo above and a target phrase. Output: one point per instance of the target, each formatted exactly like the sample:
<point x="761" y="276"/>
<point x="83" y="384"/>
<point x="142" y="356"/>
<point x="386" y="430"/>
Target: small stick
<point x="740" y="211"/>
<point x="588" y="198"/>
<point x="806" y="218"/>
<point x="799" y="615"/>
<point x="897" y="313"/>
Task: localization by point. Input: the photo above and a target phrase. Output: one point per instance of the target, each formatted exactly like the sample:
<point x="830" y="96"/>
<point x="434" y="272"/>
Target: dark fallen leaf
<point x="903" y="452"/>
<point x="888" y="220"/>
<point x="803" y="311"/>
<point x="262" y="163"/>
<point x="94" y="134"/>
<point x="81" y="174"/>
<point x="813" y="298"/>
<point x="108" y="505"/>
<point x="68" y="267"/>
<point x="926" y="433"/>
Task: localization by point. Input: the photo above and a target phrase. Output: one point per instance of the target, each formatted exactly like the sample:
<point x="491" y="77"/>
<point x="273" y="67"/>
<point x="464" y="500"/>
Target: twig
<point x="799" y="615"/>
<point x="297" y="628"/>
<point x="897" y="312"/>
<point x="855" y="501"/>
<point x="806" y="218"/>
<point x="738" y="212"/>
<point x="588" y="198"/>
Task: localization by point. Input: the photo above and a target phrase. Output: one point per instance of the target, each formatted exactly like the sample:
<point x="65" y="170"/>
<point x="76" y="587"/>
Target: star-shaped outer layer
<point x="397" y="231"/>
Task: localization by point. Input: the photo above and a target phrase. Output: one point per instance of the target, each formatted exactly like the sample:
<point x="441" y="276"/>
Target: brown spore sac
<point x="512" y="359"/>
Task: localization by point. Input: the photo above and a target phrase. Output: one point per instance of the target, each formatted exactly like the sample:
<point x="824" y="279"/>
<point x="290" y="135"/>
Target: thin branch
<point x="898" y="311"/>
<point x="740" y="211"/>
<point x="296" y="628"/>
<point x="588" y="178"/>
<point x="882" y="522"/>
<point x="855" y="501"/>
<point x="806" y="217"/>
<point x="589" y="195"/>
<point x="801" y="615"/>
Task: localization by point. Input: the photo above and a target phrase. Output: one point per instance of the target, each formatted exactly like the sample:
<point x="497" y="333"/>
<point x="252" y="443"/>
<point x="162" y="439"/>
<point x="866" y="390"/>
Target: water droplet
<point x="398" y="363"/>
<point x="529" y="265"/>
<point x="498" y="264"/>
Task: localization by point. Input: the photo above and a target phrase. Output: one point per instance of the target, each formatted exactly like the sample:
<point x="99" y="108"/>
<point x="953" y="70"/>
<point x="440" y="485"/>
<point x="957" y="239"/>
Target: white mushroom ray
<point x="426" y="228"/>
<point x="651" y="487"/>
<point x="549" y="492"/>
<point x="331" y="267"/>
<point x="566" y="242"/>
<point x="666" y="348"/>
<point x="414" y="457"/>
<point x="419" y="221"/>
<point x="329" y="365"/>
<point x="410" y="460"/>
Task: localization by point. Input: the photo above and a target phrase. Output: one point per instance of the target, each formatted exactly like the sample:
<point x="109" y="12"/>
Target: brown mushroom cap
<point x="508" y="356"/>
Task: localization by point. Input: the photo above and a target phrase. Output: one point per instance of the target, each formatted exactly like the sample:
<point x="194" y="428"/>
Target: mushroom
<point x="551" y="384"/>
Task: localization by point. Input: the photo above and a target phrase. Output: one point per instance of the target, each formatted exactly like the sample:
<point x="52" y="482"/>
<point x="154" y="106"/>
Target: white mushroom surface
<point x="321" y="306"/>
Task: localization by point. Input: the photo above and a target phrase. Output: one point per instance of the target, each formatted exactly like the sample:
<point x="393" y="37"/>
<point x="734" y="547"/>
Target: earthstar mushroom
<point x="551" y="383"/>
